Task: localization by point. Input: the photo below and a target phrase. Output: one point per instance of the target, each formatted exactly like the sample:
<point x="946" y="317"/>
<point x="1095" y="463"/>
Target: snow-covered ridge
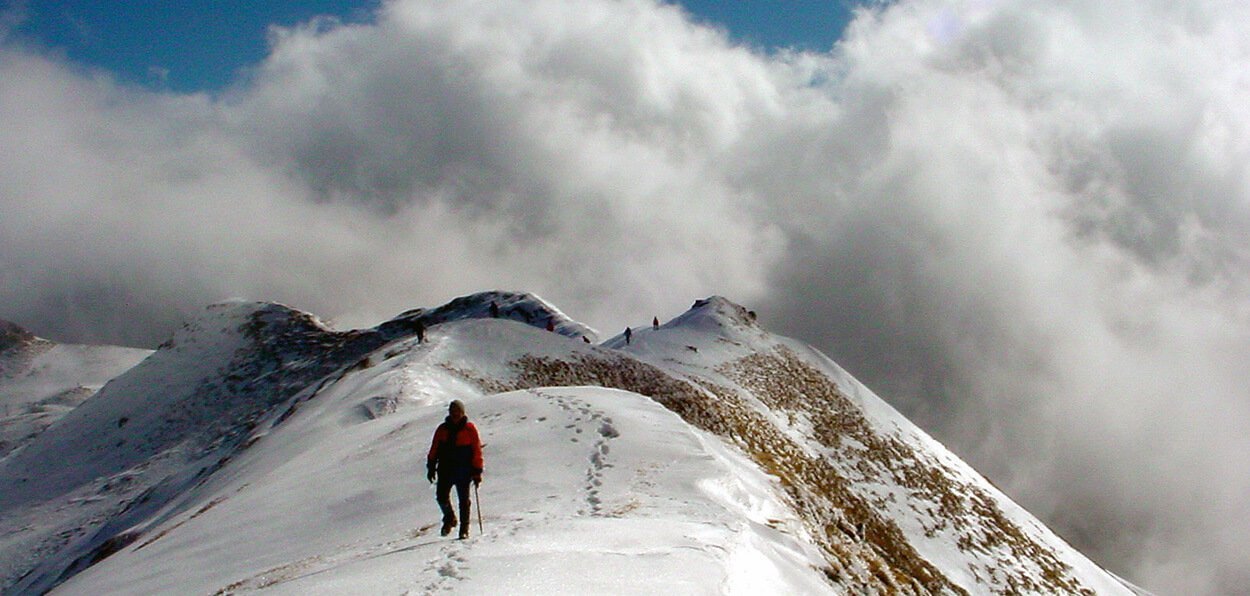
<point x="41" y="380"/>
<point x="517" y="306"/>
<point x="717" y="313"/>
<point x="893" y="510"/>
<point x="260" y="449"/>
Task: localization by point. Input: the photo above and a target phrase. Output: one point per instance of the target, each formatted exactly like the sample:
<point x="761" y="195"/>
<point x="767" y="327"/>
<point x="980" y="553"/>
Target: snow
<point x="938" y="548"/>
<point x="587" y="490"/>
<point x="42" y="381"/>
<point x="529" y="309"/>
<point x="260" y="450"/>
<point x="723" y="332"/>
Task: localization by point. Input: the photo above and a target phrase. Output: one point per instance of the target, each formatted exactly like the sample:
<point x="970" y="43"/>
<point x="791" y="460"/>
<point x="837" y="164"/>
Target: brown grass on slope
<point x="785" y="383"/>
<point x="878" y="561"/>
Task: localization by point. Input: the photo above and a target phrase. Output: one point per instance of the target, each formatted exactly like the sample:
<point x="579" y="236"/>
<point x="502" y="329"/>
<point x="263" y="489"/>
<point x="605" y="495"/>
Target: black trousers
<point x="443" y="494"/>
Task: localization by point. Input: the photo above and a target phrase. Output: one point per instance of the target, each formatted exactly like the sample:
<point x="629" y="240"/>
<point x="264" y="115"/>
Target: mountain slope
<point x="578" y="500"/>
<point x="893" y="509"/>
<point x="882" y="489"/>
<point x="41" y="380"/>
<point x="261" y="449"/>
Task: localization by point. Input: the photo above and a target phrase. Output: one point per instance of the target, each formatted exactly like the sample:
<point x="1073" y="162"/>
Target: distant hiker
<point x="628" y="334"/>
<point x="420" y="332"/>
<point x="551" y="323"/>
<point x="455" y="459"/>
<point x="494" y="310"/>
<point x="655" y="322"/>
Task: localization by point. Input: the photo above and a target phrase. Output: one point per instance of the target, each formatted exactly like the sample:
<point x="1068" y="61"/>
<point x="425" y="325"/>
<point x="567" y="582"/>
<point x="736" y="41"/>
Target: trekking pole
<point x="479" y="509"/>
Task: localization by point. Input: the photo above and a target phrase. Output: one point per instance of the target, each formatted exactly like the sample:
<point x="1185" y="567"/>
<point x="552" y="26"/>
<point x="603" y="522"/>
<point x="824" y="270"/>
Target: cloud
<point x="1026" y="225"/>
<point x="365" y="169"/>
<point x="1044" y="262"/>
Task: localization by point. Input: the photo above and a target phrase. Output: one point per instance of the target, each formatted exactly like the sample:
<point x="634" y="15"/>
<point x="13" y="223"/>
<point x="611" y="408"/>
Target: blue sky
<point x="198" y="45"/>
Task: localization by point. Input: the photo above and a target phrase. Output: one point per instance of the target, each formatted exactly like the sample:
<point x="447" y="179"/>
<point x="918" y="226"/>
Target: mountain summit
<point x="13" y="335"/>
<point x="259" y="448"/>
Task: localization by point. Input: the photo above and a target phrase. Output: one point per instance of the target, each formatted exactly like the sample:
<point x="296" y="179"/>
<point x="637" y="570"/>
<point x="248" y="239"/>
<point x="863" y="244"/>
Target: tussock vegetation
<point x="787" y="384"/>
<point x="808" y="480"/>
<point x="865" y="549"/>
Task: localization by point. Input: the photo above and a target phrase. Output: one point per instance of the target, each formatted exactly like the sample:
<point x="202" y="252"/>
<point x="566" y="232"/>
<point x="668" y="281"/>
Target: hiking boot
<point x="448" y="526"/>
<point x="464" y="532"/>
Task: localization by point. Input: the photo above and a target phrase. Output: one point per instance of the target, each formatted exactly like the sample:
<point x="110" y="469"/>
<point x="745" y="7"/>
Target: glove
<point x="429" y="473"/>
<point x="477" y="479"/>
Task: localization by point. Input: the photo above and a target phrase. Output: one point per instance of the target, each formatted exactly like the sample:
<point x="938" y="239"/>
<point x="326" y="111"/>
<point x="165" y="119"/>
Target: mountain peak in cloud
<point x="517" y="306"/>
<point x="718" y="311"/>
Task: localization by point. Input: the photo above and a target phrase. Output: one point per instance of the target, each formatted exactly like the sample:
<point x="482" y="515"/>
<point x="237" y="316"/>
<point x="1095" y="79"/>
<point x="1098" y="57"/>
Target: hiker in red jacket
<point x="455" y="459"/>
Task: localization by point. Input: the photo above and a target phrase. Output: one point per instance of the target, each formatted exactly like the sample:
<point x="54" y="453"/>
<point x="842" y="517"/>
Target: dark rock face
<point x="517" y="306"/>
<point x="12" y="335"/>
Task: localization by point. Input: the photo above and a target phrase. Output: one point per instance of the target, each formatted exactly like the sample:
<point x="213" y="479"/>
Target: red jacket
<point x="456" y="451"/>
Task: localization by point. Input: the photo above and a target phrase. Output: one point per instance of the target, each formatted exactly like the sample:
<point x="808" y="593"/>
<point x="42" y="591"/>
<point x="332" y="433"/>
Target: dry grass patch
<point x="885" y="563"/>
<point x="786" y="383"/>
<point x="865" y="549"/>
